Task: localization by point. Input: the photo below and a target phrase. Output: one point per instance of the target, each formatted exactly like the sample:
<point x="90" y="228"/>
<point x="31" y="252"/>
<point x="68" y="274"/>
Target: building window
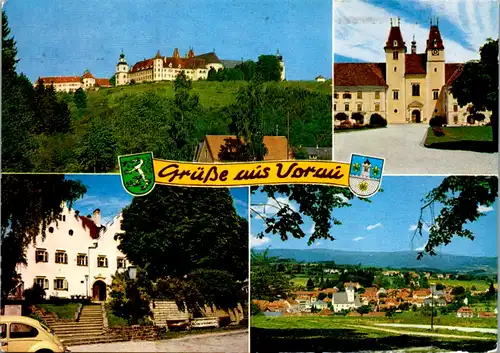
<point x="102" y="261"/>
<point x="395" y="69"/>
<point x="346" y="106"/>
<point x="61" y="257"/>
<point x="377" y="107"/>
<point x="435" y="94"/>
<point x="82" y="260"/>
<point x="415" y="90"/>
<point x="360" y="95"/>
<point x="346" y="95"/>
<point x="377" y="95"/>
<point x="42" y="256"/>
<point x="455" y="119"/>
<point x="64" y="218"/>
<point x="51" y="229"/>
<point x="42" y="282"/>
<point x="120" y="262"/>
<point x="335" y="95"/>
<point x="70" y="232"/>
<point x="360" y="107"/>
<point x="395" y="55"/>
<point x="335" y="107"/>
<point x="60" y="284"/>
<point x="395" y="95"/>
<point x="455" y="108"/>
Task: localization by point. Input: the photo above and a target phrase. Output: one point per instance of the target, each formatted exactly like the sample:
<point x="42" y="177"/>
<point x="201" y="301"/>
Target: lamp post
<point x="132" y="274"/>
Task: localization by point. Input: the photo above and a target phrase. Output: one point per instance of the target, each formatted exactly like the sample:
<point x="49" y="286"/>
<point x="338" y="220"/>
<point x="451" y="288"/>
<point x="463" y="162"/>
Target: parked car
<point x="24" y="334"/>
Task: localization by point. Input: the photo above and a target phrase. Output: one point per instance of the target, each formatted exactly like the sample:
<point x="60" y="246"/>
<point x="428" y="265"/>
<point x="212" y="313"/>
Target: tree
<point x="173" y="233"/>
<point x="478" y="84"/>
<point x="80" y="99"/>
<point x="267" y="284"/>
<point x="212" y="75"/>
<point x="181" y="81"/>
<point x="268" y="68"/>
<point x="457" y="291"/>
<point x="112" y="80"/>
<point x="97" y="152"/>
<point x="51" y="115"/>
<point x="310" y="284"/>
<point x="248" y="68"/>
<point x="29" y="203"/>
<point x="460" y="197"/>
<point x="358" y="117"/>
<point x="491" y="289"/>
<point x="440" y="286"/>
<point x="341" y="116"/>
<point x="17" y="109"/>
<point x="321" y="296"/>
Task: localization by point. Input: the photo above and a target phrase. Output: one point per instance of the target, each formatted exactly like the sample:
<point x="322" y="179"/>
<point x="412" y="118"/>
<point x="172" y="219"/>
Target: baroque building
<point x="406" y="88"/>
<point x="166" y="68"/>
<point x="71" y="83"/>
<point x="78" y="256"/>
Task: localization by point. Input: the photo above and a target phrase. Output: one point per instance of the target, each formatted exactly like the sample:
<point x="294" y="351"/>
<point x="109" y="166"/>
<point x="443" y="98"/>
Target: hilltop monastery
<point x="72" y="83"/>
<point x="407" y="88"/>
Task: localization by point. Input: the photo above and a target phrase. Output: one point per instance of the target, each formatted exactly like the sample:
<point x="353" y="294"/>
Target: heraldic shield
<point x="137" y="173"/>
<point x="365" y="175"/>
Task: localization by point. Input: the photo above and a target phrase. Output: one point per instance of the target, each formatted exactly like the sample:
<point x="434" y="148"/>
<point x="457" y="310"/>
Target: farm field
<point x="479" y="284"/>
<point x="350" y="334"/>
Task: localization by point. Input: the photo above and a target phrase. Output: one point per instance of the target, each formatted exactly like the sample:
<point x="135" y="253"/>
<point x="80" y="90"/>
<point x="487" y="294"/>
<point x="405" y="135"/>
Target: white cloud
<point x="318" y="244"/>
<point x="358" y="239"/>
<point x="413" y="227"/>
<point x="271" y="206"/>
<point x="342" y="198"/>
<point x="425" y="227"/>
<point x="361" y="29"/>
<point x="484" y="209"/>
<point x="420" y="248"/>
<point x="373" y="226"/>
<point x="254" y="241"/>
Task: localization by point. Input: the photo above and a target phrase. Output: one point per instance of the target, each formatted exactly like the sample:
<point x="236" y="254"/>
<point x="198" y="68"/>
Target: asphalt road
<point x="236" y="341"/>
<point x="404" y="153"/>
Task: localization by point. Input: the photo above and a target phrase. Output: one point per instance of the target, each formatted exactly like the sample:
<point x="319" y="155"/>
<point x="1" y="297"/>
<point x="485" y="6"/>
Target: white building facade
<point x="78" y="256"/>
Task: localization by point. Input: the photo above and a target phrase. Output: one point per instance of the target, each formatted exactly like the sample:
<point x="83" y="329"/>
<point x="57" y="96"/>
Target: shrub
<point x="34" y="294"/>
<point x="437" y="121"/>
<point x="341" y="116"/>
<point x="377" y="120"/>
<point x="254" y="309"/>
<point x="438" y="131"/>
<point x="358" y="117"/>
<point x="346" y="124"/>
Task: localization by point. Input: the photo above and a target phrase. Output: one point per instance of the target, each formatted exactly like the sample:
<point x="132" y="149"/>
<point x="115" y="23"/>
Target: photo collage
<point x="300" y="176"/>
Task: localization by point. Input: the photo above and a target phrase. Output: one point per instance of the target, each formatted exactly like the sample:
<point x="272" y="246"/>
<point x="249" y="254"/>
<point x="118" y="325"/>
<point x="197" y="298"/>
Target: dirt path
<point x="457" y="328"/>
<point x="428" y="334"/>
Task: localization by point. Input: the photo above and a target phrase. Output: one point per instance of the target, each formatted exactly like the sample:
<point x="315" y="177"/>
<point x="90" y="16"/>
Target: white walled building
<point x="78" y="256"/>
<point x="70" y="84"/>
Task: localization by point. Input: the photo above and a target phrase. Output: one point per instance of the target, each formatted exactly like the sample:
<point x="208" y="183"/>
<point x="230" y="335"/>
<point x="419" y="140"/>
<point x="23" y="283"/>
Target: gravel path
<point x="236" y="342"/>
<point x="404" y="153"/>
<point x="457" y="328"/>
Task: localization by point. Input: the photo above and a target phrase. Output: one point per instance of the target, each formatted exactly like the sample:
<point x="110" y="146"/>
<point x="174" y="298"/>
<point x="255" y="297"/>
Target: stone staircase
<point x="88" y="330"/>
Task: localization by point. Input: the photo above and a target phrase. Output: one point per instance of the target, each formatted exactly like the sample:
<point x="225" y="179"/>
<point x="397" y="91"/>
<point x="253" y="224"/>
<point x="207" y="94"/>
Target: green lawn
<point x="62" y="311"/>
<point x="300" y="281"/>
<point x="468" y="138"/>
<point x="480" y="285"/>
<point x="212" y="94"/>
<point x="336" y="333"/>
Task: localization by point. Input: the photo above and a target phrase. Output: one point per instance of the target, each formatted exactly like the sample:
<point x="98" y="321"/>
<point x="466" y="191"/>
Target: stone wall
<point x="136" y="332"/>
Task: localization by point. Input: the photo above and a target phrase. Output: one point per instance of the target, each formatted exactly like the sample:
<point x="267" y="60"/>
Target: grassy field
<point x="212" y="94"/>
<point x="480" y="285"/>
<point x="334" y="333"/>
<point x="467" y="138"/>
<point x="63" y="311"/>
<point x="300" y="281"/>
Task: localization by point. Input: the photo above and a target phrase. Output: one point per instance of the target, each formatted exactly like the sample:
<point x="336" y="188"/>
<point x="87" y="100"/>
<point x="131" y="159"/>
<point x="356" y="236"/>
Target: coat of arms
<point x="137" y="173"/>
<point x="365" y="175"/>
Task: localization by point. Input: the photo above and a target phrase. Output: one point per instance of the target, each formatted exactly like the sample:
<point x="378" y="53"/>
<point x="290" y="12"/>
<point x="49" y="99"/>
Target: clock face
<point x="435" y="52"/>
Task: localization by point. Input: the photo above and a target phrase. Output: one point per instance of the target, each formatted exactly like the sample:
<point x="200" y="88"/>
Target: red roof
<point x="434" y="37"/>
<point x="103" y="82"/>
<point x="415" y="63"/>
<point x="87" y="74"/>
<point x="359" y="74"/>
<point x="395" y="35"/>
<point x="452" y="71"/>
<point x="90" y="225"/>
<point x="465" y="309"/>
<point x="60" y="79"/>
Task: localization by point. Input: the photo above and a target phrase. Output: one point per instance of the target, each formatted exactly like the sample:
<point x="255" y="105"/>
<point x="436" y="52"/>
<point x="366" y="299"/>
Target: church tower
<point x="121" y="74"/>
<point x="282" y="65"/>
<point x="350" y="293"/>
<point x="435" y="72"/>
<point x="395" y="52"/>
<point x="157" y="67"/>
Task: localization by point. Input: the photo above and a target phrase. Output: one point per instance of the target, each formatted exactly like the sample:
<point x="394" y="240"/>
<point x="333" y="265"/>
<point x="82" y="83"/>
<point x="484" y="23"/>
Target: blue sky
<point x="361" y="27"/>
<point x="107" y="193"/>
<point x="67" y="37"/>
<point x="385" y="224"/>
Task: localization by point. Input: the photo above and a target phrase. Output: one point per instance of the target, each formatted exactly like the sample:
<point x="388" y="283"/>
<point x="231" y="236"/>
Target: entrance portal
<point x="415" y="116"/>
<point x="99" y="291"/>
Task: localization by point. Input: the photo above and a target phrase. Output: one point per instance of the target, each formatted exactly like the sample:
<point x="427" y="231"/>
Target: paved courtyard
<point x="236" y="342"/>
<point x="404" y="153"/>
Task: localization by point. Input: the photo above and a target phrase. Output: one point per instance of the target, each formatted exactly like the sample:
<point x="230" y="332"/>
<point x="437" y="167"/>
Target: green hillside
<point x="212" y="94"/>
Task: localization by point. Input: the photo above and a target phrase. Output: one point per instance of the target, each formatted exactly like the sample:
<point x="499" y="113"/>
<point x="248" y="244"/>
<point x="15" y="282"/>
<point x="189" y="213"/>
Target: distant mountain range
<point x="398" y="259"/>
